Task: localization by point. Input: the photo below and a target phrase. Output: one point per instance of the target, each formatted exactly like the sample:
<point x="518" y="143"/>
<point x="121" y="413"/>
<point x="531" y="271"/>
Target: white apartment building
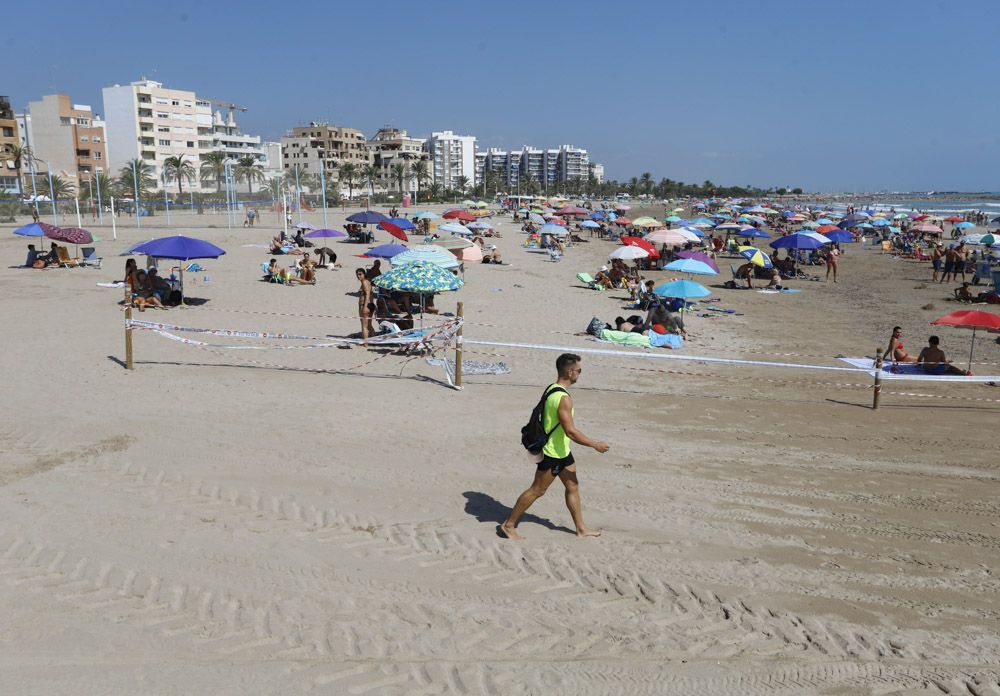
<point x="149" y="121"/>
<point x="596" y="171"/>
<point x="226" y="136"/>
<point x="452" y="156"/>
<point x="572" y="163"/>
<point x="273" y="164"/>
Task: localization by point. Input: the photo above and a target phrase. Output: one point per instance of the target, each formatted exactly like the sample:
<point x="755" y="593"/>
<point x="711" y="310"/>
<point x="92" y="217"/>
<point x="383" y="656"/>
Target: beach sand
<point x="209" y="524"/>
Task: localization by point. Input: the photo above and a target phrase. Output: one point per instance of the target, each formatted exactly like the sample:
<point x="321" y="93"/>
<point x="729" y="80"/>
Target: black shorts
<point x="555" y="464"/>
<point x="949" y="266"/>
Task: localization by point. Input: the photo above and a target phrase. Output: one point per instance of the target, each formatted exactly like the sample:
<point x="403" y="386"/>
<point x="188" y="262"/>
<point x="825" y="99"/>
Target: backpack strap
<point x="549" y="392"/>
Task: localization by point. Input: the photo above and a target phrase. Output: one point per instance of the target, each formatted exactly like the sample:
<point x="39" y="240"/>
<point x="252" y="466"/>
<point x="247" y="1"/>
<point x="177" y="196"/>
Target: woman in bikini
<point x="895" y="348"/>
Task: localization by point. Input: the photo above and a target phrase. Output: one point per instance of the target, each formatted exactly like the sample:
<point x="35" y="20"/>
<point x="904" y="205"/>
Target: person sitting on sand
<point x="933" y="361"/>
<point x="144" y="294"/>
<point x="492" y="255"/>
<point x="374" y="271"/>
<point x="603" y="279"/>
<point x="286" y="275"/>
<point x="775" y="279"/>
<point x="307" y="269"/>
<point x="161" y="288"/>
<point x="895" y="351"/>
<point x="660" y="314"/>
<point x="746" y="272"/>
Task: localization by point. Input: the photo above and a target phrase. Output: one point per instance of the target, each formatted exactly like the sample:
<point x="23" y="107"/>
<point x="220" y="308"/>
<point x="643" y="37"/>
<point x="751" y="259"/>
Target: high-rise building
<point x="10" y="139"/>
<point x="390" y="146"/>
<point x="452" y="157"/>
<point x="572" y="163"/>
<point x="146" y="120"/>
<point x="322" y="147"/>
<point x="226" y="137"/>
<point x="69" y="138"/>
<point x="596" y="171"/>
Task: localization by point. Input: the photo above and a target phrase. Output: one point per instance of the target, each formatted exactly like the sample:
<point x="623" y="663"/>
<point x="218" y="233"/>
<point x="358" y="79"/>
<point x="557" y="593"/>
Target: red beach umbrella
<point x="395" y="230"/>
<point x="642" y="244"/>
<point x="459" y="215"/>
<point x="953" y="218"/>
<point x="970" y="319"/>
<point x="623" y="221"/>
<point x="826" y="228"/>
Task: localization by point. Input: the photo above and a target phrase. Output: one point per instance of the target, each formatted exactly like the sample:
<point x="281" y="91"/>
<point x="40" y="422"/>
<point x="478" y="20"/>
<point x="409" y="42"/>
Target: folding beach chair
<point x="64" y="260"/>
<point x="587" y="280"/>
<point x="90" y="257"/>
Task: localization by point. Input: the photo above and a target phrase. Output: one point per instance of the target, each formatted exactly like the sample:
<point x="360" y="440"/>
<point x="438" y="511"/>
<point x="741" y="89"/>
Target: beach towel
<point x="774" y="291"/>
<point x="116" y="284"/>
<point x="624" y="338"/>
<point x="657" y="340"/>
<point x="473" y="367"/>
<point x="913" y="371"/>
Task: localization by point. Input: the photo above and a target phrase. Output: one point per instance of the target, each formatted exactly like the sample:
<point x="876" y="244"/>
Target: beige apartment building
<point x="146" y="120"/>
<point x="68" y="137"/>
<point x="9" y="139"/>
<point x="322" y="147"/>
<point x="391" y="146"/>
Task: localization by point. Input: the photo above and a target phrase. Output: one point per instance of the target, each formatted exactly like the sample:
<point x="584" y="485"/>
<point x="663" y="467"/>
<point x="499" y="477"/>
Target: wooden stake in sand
<point x="458" y="346"/>
<point x="878" y="378"/>
<point x="128" y="338"/>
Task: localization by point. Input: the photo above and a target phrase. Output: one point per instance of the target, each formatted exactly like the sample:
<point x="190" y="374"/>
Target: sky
<point x="828" y="96"/>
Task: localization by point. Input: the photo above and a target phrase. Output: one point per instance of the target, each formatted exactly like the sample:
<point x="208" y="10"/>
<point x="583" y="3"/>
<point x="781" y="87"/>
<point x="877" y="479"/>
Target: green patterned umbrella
<point x="421" y="277"/>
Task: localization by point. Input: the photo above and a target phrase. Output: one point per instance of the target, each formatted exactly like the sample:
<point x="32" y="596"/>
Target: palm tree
<point x="178" y="168"/>
<point x="276" y="187"/>
<point x="419" y="171"/>
<point x="250" y="170"/>
<point x="462" y="183"/>
<point x="434" y="191"/>
<point x="371" y="176"/>
<point x="98" y="188"/>
<point x="136" y="172"/>
<point x="400" y="171"/>
<point x="349" y="175"/>
<point x="647" y="182"/>
<point x="213" y="167"/>
<point x="61" y="188"/>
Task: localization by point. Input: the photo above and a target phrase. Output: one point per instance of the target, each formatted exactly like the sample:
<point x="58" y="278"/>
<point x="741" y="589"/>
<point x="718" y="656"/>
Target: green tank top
<point x="558" y="445"/>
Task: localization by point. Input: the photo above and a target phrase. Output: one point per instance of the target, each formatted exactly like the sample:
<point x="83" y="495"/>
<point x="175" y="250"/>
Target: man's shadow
<point x="486" y="508"/>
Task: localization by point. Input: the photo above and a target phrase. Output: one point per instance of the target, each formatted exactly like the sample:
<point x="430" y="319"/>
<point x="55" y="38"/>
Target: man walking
<point x="557" y="460"/>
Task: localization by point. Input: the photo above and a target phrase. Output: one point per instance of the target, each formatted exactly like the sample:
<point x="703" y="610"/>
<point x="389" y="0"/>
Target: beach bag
<point x="595" y="326"/>
<point x="533" y="435"/>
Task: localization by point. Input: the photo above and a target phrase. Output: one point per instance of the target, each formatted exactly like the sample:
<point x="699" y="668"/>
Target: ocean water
<point x="933" y="205"/>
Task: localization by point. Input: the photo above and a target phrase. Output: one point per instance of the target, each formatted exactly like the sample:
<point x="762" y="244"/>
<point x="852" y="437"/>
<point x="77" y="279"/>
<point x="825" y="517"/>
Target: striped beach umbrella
<point x="421" y="277"/>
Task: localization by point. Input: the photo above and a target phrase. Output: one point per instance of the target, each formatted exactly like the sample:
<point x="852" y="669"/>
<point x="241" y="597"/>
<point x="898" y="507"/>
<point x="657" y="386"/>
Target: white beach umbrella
<point x="628" y="253"/>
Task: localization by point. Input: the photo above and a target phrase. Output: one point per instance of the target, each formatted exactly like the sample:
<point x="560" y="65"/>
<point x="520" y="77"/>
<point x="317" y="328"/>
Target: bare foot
<point x="509" y="532"/>
<point x="588" y="532"/>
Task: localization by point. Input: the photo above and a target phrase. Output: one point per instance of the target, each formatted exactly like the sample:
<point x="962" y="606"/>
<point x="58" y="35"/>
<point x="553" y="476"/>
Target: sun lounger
<point x="271" y="277"/>
<point x="587" y="280"/>
<point x="64" y="260"/>
<point x="90" y="257"/>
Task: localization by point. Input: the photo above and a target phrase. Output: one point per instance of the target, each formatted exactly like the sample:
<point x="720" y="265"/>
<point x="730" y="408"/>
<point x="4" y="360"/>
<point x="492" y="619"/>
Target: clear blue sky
<point x="827" y="95"/>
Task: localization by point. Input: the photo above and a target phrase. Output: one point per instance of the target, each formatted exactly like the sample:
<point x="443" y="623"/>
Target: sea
<point x="939" y="204"/>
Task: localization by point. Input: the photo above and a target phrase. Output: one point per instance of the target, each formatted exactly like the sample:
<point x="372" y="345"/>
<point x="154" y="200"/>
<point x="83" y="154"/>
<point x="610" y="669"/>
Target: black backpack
<point x="533" y="434"/>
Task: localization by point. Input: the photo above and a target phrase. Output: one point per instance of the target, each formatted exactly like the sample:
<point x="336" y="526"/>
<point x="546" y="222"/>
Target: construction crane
<point x="230" y="107"/>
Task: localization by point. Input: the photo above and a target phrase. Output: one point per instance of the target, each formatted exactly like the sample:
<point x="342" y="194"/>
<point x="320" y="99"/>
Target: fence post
<point x="458" y="345"/>
<point x="128" y="338"/>
<point x="877" y="393"/>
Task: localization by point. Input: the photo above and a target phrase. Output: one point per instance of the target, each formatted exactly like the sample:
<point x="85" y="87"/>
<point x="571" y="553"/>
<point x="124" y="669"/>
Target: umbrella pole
<point x="877" y="393"/>
<point x="180" y="268"/>
<point x="972" y="347"/>
<point x="458" y="346"/>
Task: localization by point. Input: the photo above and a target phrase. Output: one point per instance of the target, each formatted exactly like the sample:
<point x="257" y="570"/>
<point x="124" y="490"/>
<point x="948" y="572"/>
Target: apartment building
<point x="146" y="120"/>
<point x="273" y="164"/>
<point x="9" y="139"/>
<point x="390" y="146"/>
<point x="451" y="157"/>
<point x="322" y="147"/>
<point x="596" y="171"/>
<point x="572" y="163"/>
<point x="68" y="137"/>
<point x="225" y="136"/>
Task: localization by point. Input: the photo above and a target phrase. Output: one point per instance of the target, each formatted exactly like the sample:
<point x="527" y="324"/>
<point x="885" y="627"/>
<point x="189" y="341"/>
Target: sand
<point x="207" y="524"/>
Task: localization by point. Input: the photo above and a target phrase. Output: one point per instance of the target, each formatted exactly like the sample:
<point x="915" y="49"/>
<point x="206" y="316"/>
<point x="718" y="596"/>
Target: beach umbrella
<point x="419" y="276"/>
<point x="953" y="218"/>
<point x="754" y="232"/>
<point x="395" y="230"/>
<point x="800" y="240"/>
<point x="427" y="253"/>
<point x="303" y="225"/>
<point x="995" y="220"/>
<point x="699" y="256"/>
<point x="970" y="319"/>
<point x="988" y="239"/>
<point x="430" y="216"/>
<point x="672" y="218"/>
<point x="642" y="244"/>
<point x="598" y="216"/>
<point x="900" y="216"/>
<point x="384" y="251"/>
<point x="840" y="236"/>
<point x="472" y="254"/>
<point x="367" y="217"/>
<point x="325" y="234"/>
<point x="479" y="225"/>
<point x="457" y="214"/>
<point x="179" y="248"/>
<point x="827" y="228"/>
<point x="824" y="221"/>
<point x="590" y="224"/>
<point x="401" y="223"/>
<point x="452" y="243"/>
<point x="881" y="222"/>
<point x="71" y="235"/>
<point x="927" y="228"/>
<point x="678" y="236"/>
<point x="628" y="253"/>
<point x="536" y="219"/>
<point x="756" y="256"/>
<point x="571" y="210"/>
<point x="34" y="229"/>
<point x="864" y="226"/>
<point x="646" y="222"/>
<point x="810" y="225"/>
<point x="622" y="221"/>
<point x="682" y="289"/>
<point x="454" y="228"/>
<point x="734" y="226"/>
<point x="964" y="225"/>
<point x="691" y="266"/>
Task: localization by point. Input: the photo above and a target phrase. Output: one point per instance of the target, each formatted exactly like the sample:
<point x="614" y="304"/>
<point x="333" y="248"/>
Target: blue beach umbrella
<point x="756" y="257"/>
<point x="672" y="218"/>
<point x="964" y="225"/>
<point x="179" y="248"/>
<point x="590" y="224"/>
<point x="385" y="251"/>
<point x="401" y="223"/>
<point x="880" y="222"/>
<point x="33" y="229"/>
<point x="325" y="234"/>
<point x="682" y="289"/>
<point x="840" y="236"/>
<point x="598" y="216"/>
<point x="424" y="214"/>
<point x="428" y="254"/>
<point x="800" y="240"/>
<point x="692" y="266"/>
<point x="454" y="228"/>
<point x="367" y="217"/>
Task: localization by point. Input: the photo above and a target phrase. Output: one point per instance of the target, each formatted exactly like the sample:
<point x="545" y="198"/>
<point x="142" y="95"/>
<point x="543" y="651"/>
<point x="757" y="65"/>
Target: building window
<point x="97" y="155"/>
<point x="84" y="139"/>
<point x="8" y="132"/>
<point x="190" y="143"/>
<point x="163" y="129"/>
<point x="97" y="139"/>
<point x="162" y="114"/>
<point x="165" y="142"/>
<point x="175" y="103"/>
